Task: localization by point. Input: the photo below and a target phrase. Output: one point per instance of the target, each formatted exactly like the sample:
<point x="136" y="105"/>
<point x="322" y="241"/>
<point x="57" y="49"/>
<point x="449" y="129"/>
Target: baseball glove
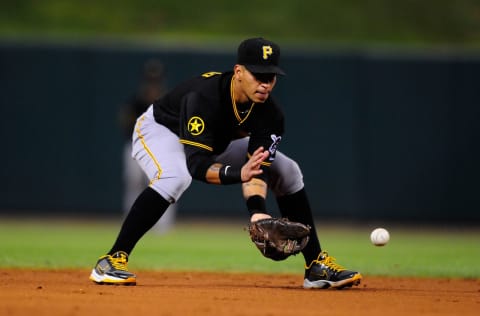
<point x="278" y="238"/>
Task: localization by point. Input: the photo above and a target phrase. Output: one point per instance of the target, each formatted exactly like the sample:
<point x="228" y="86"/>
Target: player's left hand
<point x="278" y="238"/>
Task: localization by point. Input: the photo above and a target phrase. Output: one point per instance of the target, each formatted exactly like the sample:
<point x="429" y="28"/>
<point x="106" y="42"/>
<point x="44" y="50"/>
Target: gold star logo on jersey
<point x="195" y="125"/>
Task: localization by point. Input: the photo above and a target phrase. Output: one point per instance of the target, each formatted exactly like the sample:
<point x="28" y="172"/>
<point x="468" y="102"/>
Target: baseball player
<point x="220" y="128"/>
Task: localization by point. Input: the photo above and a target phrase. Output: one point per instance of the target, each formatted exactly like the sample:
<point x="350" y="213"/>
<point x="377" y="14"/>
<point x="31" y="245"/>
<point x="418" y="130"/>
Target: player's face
<point x="256" y="87"/>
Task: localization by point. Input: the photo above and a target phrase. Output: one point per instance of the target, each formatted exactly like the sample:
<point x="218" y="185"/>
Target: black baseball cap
<point x="259" y="55"/>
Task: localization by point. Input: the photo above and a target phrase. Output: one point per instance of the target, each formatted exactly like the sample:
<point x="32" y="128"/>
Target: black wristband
<point x="256" y="204"/>
<point x="229" y="175"/>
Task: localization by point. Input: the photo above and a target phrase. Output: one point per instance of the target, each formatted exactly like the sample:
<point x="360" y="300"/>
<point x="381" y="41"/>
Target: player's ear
<point x="237" y="69"/>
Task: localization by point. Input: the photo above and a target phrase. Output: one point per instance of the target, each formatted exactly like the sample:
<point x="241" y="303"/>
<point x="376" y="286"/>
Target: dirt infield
<point x="69" y="292"/>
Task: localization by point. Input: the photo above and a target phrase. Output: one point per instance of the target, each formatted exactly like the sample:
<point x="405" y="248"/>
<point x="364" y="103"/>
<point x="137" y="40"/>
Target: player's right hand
<point x="252" y="167"/>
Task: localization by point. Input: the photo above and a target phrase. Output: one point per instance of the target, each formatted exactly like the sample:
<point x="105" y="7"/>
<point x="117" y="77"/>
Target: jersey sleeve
<point x="196" y="133"/>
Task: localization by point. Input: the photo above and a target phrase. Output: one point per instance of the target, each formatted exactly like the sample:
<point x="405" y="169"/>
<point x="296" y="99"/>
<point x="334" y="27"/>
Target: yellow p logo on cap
<point x="267" y="51"/>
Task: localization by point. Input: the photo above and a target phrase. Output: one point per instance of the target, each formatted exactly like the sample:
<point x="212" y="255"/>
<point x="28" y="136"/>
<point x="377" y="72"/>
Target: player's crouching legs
<point x="286" y="176"/>
<point x="172" y="188"/>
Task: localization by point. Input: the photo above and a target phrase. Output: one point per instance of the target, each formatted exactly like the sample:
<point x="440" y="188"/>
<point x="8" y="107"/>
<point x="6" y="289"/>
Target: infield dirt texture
<point x="69" y="292"/>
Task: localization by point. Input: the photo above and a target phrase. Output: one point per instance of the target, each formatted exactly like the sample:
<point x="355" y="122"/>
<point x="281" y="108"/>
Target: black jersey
<point x="201" y="112"/>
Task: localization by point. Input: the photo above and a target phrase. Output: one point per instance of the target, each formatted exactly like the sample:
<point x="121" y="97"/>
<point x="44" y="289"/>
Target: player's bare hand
<point x="252" y="167"/>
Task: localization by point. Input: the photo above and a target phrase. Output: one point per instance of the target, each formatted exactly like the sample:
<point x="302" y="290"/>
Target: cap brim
<point x="260" y="69"/>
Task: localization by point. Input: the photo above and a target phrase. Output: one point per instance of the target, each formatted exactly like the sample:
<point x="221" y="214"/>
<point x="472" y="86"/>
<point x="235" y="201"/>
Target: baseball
<point x="379" y="236"/>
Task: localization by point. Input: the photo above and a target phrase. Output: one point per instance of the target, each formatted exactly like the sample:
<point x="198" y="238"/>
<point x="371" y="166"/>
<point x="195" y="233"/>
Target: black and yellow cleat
<point x="324" y="273"/>
<point x="112" y="270"/>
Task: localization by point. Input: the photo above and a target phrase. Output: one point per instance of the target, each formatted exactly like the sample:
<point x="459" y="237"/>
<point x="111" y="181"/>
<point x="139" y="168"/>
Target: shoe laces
<point x="328" y="261"/>
<point x="119" y="261"/>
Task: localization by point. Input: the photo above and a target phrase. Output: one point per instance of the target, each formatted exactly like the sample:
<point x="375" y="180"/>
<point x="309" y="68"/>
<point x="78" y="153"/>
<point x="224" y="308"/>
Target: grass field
<point x="415" y="251"/>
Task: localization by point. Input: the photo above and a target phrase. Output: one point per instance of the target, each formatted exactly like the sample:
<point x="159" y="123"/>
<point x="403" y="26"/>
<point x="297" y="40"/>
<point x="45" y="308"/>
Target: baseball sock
<point x="296" y="208"/>
<point x="145" y="212"/>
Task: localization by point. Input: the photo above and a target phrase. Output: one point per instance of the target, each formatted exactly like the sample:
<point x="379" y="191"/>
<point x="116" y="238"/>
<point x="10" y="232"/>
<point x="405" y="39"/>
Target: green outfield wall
<point x="379" y="134"/>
